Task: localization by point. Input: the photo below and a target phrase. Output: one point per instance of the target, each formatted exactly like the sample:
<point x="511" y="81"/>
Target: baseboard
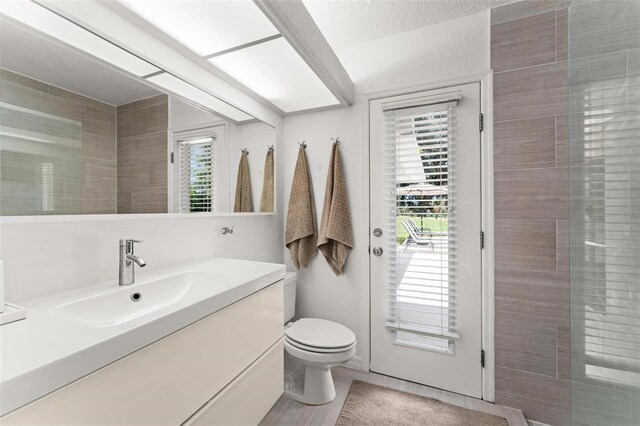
<point x="355" y="363"/>
<point x="535" y="423"/>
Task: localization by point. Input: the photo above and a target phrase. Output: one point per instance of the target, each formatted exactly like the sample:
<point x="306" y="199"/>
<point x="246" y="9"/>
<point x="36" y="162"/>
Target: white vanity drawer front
<point x="249" y="397"/>
<point x="168" y="381"/>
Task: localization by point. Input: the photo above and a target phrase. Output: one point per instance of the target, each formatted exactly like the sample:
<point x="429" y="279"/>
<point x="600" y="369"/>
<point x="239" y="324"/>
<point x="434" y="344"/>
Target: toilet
<point x="312" y="347"/>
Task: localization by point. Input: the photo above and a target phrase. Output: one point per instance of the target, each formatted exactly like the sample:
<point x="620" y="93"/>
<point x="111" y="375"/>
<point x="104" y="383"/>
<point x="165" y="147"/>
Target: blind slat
<point x="196" y="174"/>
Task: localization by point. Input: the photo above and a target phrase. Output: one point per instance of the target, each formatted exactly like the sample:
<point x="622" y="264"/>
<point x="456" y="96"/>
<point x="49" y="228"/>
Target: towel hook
<point x="336" y="141"/>
<point x="270" y="148"/>
<point x="303" y="144"/>
<point x="245" y="151"/>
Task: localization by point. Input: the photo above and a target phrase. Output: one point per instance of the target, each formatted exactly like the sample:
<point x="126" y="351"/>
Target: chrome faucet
<point x="127" y="273"/>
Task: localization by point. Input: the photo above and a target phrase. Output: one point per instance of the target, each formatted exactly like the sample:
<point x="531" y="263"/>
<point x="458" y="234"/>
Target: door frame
<point x="485" y="79"/>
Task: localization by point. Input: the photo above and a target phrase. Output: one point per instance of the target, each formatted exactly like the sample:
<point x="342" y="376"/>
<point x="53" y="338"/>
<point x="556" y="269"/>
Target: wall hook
<point x="336" y="141"/>
<point x="303" y="144"/>
<point x="245" y="151"/>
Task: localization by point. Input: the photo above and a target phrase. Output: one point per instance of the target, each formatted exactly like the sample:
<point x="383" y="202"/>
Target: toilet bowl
<point x="312" y="347"/>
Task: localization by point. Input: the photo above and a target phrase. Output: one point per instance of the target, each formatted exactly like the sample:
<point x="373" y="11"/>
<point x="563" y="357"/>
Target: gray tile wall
<point x="85" y="177"/>
<point x="143" y="156"/>
<point x="532" y="283"/>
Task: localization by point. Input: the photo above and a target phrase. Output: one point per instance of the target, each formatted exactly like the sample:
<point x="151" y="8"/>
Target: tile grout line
<point x="555" y="32"/>
<point x="529" y="67"/>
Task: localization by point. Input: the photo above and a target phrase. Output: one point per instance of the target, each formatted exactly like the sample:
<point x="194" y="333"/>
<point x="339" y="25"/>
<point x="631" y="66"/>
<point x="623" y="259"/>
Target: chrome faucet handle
<point x="129" y="245"/>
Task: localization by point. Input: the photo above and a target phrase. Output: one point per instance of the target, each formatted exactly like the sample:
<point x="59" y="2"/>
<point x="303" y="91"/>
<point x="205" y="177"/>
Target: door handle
<point x="377" y="251"/>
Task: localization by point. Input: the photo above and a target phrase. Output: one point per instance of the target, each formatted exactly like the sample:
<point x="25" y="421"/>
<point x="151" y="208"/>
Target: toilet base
<point x="317" y="387"/>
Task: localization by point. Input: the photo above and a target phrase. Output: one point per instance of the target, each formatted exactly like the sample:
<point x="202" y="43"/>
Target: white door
<point x="425" y="192"/>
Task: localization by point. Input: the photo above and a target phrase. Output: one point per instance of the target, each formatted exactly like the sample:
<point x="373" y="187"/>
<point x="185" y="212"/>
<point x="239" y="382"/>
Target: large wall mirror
<point x="80" y="136"/>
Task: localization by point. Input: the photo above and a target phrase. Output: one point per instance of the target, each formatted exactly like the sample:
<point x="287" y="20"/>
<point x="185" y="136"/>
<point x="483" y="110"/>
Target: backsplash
<point x="50" y="257"/>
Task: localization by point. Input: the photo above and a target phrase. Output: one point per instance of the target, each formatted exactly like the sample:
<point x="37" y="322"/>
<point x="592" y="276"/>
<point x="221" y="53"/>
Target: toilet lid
<point x="319" y="333"/>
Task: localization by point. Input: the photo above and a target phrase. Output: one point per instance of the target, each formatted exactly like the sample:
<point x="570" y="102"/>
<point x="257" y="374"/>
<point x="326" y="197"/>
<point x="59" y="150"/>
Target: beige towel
<point x="266" y="201"/>
<point x="335" y="239"/>
<point x="300" y="235"/>
<point x="244" y="198"/>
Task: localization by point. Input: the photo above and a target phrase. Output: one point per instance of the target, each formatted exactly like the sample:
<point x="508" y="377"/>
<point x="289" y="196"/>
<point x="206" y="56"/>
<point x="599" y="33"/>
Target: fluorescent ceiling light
<point x="206" y="27"/>
<point x="275" y="71"/>
<point x="47" y="22"/>
<point x="193" y="94"/>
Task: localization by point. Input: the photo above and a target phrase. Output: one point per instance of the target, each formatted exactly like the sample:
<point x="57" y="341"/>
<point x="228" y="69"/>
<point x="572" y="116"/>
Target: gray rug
<point x="369" y="404"/>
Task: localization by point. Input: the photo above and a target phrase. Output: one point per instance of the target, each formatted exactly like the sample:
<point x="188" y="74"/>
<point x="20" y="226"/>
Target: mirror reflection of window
<point x="196" y="174"/>
<point x="46" y="186"/>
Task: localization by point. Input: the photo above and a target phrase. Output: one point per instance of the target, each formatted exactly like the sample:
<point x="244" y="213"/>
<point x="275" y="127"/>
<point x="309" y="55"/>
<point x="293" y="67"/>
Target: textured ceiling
<point x="350" y="22"/>
<point x="35" y="55"/>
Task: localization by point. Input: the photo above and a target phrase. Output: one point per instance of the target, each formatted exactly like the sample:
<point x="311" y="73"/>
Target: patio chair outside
<point x="421" y="232"/>
<point x="415" y="237"/>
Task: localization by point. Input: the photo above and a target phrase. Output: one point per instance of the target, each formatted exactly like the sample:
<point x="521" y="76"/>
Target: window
<point x="419" y="181"/>
<point x="196" y="172"/>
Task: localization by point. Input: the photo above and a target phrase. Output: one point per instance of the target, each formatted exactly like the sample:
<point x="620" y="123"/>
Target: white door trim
<point x="486" y="107"/>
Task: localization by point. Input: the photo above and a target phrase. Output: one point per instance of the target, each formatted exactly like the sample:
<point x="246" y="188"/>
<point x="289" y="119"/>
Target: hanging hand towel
<point x="300" y="235"/>
<point x="244" y="199"/>
<point x="266" y="201"/>
<point x="335" y="239"/>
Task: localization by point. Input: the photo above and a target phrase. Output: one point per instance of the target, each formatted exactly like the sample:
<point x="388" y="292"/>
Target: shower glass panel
<point x="604" y="152"/>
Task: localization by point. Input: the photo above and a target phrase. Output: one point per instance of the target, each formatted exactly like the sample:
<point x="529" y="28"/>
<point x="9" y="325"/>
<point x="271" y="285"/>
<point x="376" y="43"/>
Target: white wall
<point x="416" y="57"/>
<point x="51" y="255"/>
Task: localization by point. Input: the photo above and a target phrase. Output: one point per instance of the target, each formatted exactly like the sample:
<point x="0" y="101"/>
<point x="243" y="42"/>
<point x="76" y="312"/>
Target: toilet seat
<point x="320" y="335"/>
<point x="324" y="359"/>
<point x="318" y="350"/>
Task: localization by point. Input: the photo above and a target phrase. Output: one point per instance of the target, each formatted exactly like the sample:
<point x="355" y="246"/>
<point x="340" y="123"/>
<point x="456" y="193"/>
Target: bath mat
<point x="369" y="404"/>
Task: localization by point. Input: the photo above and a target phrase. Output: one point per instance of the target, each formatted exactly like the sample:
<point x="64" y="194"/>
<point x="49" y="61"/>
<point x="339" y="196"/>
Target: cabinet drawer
<point x="249" y="397"/>
<point x="169" y="380"/>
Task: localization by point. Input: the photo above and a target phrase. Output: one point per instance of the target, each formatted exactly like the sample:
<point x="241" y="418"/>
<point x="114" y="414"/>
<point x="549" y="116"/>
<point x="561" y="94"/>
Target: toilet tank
<point x="289" y="295"/>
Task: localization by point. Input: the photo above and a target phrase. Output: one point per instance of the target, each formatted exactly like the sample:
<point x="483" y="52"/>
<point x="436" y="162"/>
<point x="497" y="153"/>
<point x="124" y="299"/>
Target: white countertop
<point x="47" y="351"/>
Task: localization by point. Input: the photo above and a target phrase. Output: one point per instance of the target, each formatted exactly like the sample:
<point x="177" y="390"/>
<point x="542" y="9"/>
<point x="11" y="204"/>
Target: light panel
<point x="192" y="93"/>
<point x="275" y="71"/>
<point x="206" y="27"/>
<point x="42" y="19"/>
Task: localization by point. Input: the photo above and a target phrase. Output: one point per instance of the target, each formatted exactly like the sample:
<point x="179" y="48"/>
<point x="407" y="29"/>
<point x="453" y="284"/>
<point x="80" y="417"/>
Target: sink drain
<point x="136" y="296"/>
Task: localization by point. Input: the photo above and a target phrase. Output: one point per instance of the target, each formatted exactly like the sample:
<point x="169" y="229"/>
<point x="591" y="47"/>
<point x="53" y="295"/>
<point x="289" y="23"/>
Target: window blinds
<point x="196" y="174"/>
<point x="419" y="181"/>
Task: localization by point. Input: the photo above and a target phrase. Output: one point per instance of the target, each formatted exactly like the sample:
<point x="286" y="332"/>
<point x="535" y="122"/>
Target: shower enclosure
<point x="604" y="214"/>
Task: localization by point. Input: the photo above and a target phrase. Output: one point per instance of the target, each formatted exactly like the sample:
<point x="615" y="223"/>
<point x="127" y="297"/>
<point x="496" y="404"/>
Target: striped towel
<point x="266" y="201"/>
<point x="244" y="198"/>
<point x="335" y="239"/>
<point x="300" y="234"/>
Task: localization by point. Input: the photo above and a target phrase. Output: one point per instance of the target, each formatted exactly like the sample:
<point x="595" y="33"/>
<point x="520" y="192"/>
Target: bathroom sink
<point x="69" y="335"/>
<point x="127" y="303"/>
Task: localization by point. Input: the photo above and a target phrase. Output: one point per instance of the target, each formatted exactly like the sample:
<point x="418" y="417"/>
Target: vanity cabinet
<point x="226" y="368"/>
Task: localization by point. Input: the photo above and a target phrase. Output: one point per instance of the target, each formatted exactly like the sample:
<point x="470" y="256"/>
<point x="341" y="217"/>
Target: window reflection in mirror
<point x="78" y="136"/>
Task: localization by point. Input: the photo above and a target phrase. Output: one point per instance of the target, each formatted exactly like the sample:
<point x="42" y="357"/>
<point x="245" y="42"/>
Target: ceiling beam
<point x="297" y="26"/>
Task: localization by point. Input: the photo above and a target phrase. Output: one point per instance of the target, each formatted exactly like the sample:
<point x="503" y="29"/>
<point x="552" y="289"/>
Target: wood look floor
<point x="287" y="412"/>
